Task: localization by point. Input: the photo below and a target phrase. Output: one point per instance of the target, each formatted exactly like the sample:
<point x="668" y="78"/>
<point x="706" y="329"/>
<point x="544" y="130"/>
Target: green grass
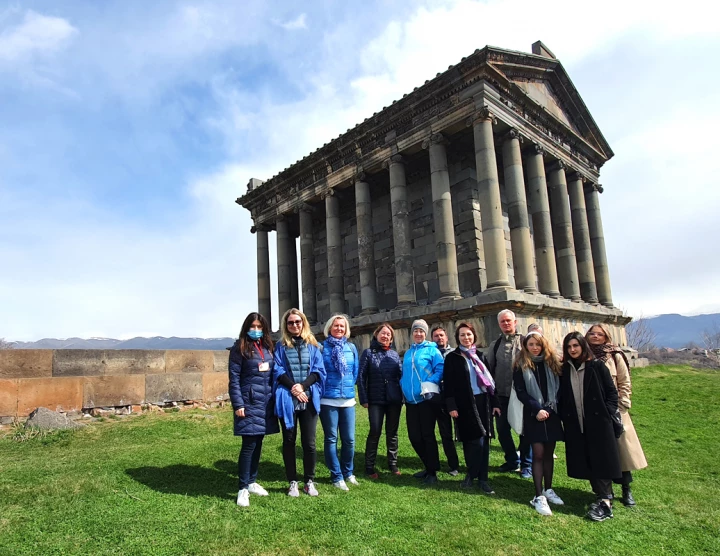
<point x="165" y="484"/>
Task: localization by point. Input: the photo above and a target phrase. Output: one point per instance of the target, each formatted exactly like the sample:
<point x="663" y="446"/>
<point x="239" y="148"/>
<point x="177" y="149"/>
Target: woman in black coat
<point x="588" y="399"/>
<point x="470" y="400"/>
<point x="379" y="391"/>
<point x="251" y="394"/>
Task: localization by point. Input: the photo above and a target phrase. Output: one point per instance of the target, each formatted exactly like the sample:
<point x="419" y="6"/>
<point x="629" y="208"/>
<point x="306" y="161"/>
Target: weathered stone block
<point x="134" y="361"/>
<point x="214" y="387"/>
<point x="189" y="361"/>
<point x="78" y="362"/>
<point x="107" y="391"/>
<point x="25" y="363"/>
<point x="56" y="393"/>
<point x="220" y="361"/>
<point x="173" y="387"/>
<point x="8" y="397"/>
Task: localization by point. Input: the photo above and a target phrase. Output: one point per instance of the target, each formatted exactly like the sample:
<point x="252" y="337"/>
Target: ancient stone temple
<point x="476" y="192"/>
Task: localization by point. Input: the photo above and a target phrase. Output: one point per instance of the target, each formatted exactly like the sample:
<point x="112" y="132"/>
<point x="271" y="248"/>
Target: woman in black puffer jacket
<point x="251" y="394"/>
<point x="379" y="391"/>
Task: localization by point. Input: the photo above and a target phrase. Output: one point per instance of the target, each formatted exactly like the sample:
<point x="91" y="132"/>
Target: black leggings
<point x="542" y="465"/>
<point x="307" y="422"/>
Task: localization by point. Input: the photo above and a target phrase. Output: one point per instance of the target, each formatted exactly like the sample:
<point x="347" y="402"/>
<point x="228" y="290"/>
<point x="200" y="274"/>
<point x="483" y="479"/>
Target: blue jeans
<point x="504" y="435"/>
<point x="340" y="419"/>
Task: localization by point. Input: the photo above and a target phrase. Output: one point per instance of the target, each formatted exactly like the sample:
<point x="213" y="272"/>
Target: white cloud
<point x="36" y="34"/>
<point x="298" y="23"/>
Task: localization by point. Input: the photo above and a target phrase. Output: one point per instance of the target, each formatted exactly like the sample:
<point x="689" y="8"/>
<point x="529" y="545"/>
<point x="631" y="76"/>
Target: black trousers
<point x="390" y="413"/>
<point x="420" y="420"/>
<point x="477" y="456"/>
<point x="307" y="422"/>
<point x="445" y="426"/>
<point x="249" y="460"/>
<point x="602" y="488"/>
<point x="625" y="480"/>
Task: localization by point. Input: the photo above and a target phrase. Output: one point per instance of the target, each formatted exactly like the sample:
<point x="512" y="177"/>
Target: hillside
<point x="676" y="331"/>
<point x="157" y="342"/>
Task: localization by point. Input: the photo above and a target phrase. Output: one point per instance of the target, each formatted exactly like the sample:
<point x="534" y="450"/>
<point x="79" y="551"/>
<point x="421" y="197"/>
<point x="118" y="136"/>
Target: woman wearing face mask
<point x="338" y="402"/>
<point x="631" y="452"/>
<point x="471" y="400"/>
<point x="379" y="391"/>
<point x="250" y="387"/>
<point x="423" y="362"/>
<point x="588" y="399"/>
<point x="536" y="379"/>
<point x="300" y="378"/>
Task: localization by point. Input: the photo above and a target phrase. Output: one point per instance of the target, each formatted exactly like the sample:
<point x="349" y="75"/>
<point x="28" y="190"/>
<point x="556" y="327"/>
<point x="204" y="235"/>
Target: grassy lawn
<point x="165" y="484"/>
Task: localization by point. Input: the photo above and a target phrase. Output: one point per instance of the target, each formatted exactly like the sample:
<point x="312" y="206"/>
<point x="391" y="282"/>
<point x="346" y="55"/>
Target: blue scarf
<point x="337" y="356"/>
<point x="483" y="376"/>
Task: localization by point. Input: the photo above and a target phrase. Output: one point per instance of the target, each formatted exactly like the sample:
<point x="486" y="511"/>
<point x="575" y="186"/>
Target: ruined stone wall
<point x="75" y="379"/>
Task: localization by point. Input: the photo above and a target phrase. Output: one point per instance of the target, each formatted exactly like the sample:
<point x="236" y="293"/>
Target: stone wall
<point x="75" y="379"/>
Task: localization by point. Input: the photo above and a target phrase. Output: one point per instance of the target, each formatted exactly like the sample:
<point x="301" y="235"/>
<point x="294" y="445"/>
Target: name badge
<point x="264" y="367"/>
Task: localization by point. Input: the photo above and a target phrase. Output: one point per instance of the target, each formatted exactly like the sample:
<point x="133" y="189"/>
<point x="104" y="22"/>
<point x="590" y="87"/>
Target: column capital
<point x="557" y="165"/>
<point x="482" y="115"/>
<point x="360" y="176"/>
<point x="434" y="139"/>
<point x="577" y="176"/>
<point x="281" y="217"/>
<point x="304" y="207"/>
<point x="260" y="228"/>
<point x="394" y="159"/>
<point x="329" y="193"/>
<point x="514" y="133"/>
<point x="535" y="148"/>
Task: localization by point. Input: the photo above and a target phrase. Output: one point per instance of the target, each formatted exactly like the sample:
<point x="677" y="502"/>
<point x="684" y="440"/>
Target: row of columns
<point x="567" y="239"/>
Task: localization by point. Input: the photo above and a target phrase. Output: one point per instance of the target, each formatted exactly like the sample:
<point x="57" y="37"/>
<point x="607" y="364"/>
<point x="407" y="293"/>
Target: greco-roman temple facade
<point x="475" y="192"/>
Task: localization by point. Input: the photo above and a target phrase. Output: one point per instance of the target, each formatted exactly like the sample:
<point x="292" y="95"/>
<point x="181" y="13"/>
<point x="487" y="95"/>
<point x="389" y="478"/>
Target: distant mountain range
<point x="157" y="342"/>
<point x="676" y="331"/>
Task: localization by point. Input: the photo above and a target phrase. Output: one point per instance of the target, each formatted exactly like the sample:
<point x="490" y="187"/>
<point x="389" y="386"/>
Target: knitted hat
<point x="420" y="323"/>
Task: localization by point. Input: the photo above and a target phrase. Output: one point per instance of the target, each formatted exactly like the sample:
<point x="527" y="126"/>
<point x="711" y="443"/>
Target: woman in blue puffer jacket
<point x="338" y="402"/>
<point x="423" y="362"/>
<point x="250" y="387"/>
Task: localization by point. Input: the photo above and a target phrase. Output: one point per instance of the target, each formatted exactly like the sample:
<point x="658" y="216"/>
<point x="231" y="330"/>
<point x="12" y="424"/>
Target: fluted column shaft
<point x="366" y="246"/>
<point x="562" y="233"/>
<point x="581" y="237"/>
<point x="307" y="264"/>
<point x="294" y="293"/>
<point x="401" y="231"/>
<point x="493" y="232"/>
<point x="336" y="289"/>
<point x="443" y="219"/>
<point x="539" y="206"/>
<point x="519" y="221"/>
<point x="263" y="274"/>
<point x="597" y="244"/>
<point x="284" y="266"/>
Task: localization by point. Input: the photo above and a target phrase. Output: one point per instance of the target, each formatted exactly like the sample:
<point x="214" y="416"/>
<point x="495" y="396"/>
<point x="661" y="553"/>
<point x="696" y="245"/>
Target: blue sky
<point x="127" y="129"/>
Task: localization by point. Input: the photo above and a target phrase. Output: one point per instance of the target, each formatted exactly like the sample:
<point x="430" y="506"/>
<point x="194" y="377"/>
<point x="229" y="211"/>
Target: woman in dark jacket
<point x="379" y="391"/>
<point x="251" y="394"/>
<point x="536" y="382"/>
<point x="588" y="399"/>
<point x="471" y="400"/>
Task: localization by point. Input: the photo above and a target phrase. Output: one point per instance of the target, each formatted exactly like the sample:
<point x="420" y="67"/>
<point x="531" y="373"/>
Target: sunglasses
<point x="294" y="323"/>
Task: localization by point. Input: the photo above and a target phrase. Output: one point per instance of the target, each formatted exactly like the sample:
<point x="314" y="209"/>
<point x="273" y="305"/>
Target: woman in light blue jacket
<point x="422" y="363"/>
<point x="337" y="412"/>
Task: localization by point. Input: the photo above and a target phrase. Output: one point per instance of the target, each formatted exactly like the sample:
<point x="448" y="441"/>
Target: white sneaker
<point x="552" y="497"/>
<point x="341" y="485"/>
<point x="541" y="506"/>
<point x="243" y="498"/>
<point x="310" y="489"/>
<point x="352" y="480"/>
<point x="254" y="488"/>
<point x="293" y="490"/>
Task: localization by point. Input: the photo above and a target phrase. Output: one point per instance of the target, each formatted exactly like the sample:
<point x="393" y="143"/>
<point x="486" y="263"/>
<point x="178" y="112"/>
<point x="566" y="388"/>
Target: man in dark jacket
<point x="500" y="356"/>
<point x="444" y="422"/>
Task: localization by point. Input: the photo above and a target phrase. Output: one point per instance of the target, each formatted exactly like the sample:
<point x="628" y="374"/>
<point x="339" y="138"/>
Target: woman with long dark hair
<point x="536" y="379"/>
<point x="250" y="387"/>
<point x="588" y="401"/>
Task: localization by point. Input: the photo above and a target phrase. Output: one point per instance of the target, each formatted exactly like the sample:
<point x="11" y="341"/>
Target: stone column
<point x="366" y="246"/>
<point x="307" y="263"/>
<point x="597" y="244"/>
<point x="518" y="213"/>
<point x="581" y="237"/>
<point x="562" y="232"/>
<point x="489" y="197"/>
<point x="294" y="293"/>
<point x="443" y="219"/>
<point x="336" y="289"/>
<point x="404" y="279"/>
<point x="542" y="228"/>
<point x="263" y="271"/>
<point x="284" y="265"/>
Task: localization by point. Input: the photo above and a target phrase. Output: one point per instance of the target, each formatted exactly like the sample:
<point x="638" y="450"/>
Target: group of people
<point x="581" y="398"/>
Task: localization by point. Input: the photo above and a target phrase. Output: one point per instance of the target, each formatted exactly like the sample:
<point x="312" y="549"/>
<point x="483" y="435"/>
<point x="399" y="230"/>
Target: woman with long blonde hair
<point x="536" y="373"/>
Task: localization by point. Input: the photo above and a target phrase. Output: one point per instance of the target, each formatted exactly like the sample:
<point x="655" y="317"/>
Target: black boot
<point x="627" y="497"/>
<point x="467" y="482"/>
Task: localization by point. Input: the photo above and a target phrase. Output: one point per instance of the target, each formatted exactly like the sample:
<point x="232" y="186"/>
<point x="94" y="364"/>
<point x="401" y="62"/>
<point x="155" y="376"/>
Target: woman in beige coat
<point x="631" y="453"/>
